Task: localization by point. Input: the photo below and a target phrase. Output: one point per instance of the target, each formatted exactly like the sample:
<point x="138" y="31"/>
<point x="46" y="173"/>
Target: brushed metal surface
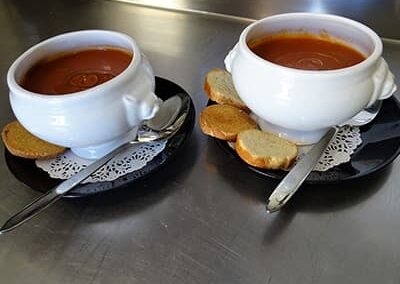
<point x="202" y="219"/>
<point x="383" y="16"/>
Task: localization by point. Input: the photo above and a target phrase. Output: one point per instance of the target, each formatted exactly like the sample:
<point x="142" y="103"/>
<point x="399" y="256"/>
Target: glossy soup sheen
<point x="76" y="70"/>
<point x="306" y="51"/>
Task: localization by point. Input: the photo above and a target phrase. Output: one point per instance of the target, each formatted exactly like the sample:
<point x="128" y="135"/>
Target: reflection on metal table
<point x="201" y="218"/>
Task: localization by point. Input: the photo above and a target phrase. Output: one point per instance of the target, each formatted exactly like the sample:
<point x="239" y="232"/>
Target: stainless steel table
<point x="202" y="218"/>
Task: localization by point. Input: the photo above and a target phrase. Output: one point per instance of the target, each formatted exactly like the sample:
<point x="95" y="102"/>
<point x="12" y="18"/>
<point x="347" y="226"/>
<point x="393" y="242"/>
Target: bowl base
<point x="295" y="136"/>
<point x="95" y="152"/>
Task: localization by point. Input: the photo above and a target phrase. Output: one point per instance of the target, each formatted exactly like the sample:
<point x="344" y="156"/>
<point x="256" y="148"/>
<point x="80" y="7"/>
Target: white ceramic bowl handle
<point x="140" y="108"/>
<point x="230" y="57"/>
<point x="384" y="85"/>
<point x="144" y="103"/>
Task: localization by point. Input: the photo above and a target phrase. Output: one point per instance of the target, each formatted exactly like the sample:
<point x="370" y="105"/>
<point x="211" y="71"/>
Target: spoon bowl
<point x="366" y="115"/>
<point x="166" y="122"/>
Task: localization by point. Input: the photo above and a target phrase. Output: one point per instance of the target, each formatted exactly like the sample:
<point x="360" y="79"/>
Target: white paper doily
<point x="340" y="149"/>
<point x="136" y="157"/>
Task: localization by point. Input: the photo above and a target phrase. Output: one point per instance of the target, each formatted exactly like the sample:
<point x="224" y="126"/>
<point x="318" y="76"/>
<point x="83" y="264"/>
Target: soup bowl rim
<point x="369" y="60"/>
<point x="129" y="71"/>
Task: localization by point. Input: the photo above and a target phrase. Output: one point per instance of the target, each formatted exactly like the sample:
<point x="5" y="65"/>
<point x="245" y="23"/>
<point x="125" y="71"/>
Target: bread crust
<point x="219" y="88"/>
<point x="285" y="160"/>
<point x="225" y="121"/>
<point x="21" y="143"/>
<point x="230" y="120"/>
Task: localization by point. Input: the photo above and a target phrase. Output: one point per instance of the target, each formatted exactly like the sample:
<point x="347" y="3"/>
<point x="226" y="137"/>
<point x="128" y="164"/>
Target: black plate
<point x="380" y="146"/>
<point x="27" y="172"/>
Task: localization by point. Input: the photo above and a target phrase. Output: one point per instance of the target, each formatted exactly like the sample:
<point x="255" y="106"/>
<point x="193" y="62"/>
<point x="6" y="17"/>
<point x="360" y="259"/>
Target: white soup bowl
<point x="301" y="105"/>
<point x="90" y="122"/>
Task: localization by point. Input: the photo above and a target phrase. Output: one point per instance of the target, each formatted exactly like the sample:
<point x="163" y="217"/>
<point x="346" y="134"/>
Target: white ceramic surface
<point x="300" y="104"/>
<point x="94" y="121"/>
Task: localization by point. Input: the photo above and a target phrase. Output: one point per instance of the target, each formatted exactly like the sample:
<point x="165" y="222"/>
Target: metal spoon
<point x="298" y="174"/>
<point x="164" y="125"/>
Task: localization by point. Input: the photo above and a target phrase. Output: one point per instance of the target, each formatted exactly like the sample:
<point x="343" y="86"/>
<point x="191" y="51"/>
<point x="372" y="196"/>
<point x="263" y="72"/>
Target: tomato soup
<point x="76" y="70"/>
<point x="306" y="51"/>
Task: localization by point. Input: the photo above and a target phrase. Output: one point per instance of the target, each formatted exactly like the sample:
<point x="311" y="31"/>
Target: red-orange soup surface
<point x="306" y="51"/>
<point x="76" y="70"/>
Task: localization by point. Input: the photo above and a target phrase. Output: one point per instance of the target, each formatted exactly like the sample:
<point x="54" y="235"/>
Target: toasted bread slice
<point x="225" y="121"/>
<point x="220" y="89"/>
<point x="23" y="144"/>
<point x="265" y="150"/>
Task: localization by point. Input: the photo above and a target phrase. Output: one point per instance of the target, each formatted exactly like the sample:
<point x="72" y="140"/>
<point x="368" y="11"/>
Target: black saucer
<point x="27" y="172"/>
<point x="380" y="146"/>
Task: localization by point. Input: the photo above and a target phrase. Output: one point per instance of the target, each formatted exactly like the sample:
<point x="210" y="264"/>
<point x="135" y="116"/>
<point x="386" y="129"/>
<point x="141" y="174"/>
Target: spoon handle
<point x="296" y="176"/>
<point x="59" y="191"/>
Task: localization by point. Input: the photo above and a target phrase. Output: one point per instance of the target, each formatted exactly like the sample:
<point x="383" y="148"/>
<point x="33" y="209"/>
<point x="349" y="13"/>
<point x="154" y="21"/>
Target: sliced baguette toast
<point x="219" y="88"/>
<point x="225" y="121"/>
<point x="264" y="150"/>
<point x="23" y="144"/>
